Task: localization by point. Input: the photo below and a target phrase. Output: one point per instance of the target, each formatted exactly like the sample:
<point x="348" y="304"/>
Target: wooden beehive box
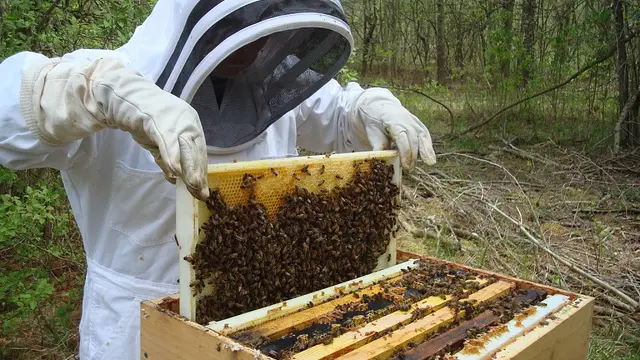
<point x="554" y="326"/>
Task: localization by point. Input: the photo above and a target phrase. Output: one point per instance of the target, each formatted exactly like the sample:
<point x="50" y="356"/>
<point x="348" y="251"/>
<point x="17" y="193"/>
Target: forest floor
<point x="469" y="208"/>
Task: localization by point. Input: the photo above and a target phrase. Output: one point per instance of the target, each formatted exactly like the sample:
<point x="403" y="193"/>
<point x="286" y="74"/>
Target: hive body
<point x="416" y="309"/>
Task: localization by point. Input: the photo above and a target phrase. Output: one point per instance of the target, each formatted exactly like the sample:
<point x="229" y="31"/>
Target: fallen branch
<point x="615" y="302"/>
<point x="429" y="191"/>
<point x="609" y="211"/>
<point x="426" y="234"/>
<point x="611" y="312"/>
<point x="416" y="232"/>
<point x="432" y="172"/>
<point x="564" y="261"/>
<point x="405" y="194"/>
<point x="464" y="233"/>
<point x="519" y="153"/>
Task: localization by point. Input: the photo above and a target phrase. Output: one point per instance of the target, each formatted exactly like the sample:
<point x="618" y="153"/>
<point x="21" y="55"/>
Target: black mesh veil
<point x="298" y="54"/>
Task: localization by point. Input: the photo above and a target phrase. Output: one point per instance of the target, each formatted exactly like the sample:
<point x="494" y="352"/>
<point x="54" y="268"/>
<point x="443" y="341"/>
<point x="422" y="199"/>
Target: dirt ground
<point x="488" y="207"/>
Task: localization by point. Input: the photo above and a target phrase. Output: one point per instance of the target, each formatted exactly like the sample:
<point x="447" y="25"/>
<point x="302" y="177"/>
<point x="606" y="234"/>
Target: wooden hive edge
<point x="566" y="336"/>
<point x="166" y="335"/>
<point x="299" y="160"/>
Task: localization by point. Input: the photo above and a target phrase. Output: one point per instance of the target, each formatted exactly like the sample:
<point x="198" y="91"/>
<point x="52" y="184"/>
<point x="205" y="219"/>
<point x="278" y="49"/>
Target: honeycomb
<point x="276" y="177"/>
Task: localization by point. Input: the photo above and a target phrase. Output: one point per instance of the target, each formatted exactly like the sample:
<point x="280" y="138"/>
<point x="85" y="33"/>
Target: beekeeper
<point x="199" y="82"/>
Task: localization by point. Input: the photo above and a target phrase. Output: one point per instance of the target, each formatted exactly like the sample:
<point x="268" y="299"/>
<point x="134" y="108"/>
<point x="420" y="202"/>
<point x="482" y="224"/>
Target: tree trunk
<point x="625" y="128"/>
<point x="508" y="28"/>
<point x="626" y="111"/>
<point x="528" y="31"/>
<point x="441" y="55"/>
<point x="370" y="22"/>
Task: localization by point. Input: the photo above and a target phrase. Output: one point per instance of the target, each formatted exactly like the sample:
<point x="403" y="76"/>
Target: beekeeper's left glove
<point x="378" y="118"/>
<point x="65" y="100"/>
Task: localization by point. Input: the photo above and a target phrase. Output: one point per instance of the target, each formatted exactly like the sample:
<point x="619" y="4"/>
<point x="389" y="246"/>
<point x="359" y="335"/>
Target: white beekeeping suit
<point x="118" y="124"/>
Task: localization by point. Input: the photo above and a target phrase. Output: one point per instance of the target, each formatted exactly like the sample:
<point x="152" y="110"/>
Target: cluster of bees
<point x="315" y="240"/>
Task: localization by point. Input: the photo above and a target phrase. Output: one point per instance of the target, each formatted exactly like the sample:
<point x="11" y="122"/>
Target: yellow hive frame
<point x="191" y="214"/>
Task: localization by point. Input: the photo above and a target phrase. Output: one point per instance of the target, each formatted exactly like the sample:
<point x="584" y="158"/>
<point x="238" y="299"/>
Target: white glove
<point x="378" y="118"/>
<point x="63" y="101"/>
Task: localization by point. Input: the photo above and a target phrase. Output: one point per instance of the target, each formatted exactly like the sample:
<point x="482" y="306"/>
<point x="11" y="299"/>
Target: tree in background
<point x="526" y="57"/>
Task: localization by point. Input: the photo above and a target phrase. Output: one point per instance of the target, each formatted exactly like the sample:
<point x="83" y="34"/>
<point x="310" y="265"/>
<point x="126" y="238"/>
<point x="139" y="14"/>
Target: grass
<point x="562" y="117"/>
<point x="608" y="343"/>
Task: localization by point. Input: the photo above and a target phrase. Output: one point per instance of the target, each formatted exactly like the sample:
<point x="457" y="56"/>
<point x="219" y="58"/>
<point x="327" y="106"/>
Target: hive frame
<point x="192" y="213"/>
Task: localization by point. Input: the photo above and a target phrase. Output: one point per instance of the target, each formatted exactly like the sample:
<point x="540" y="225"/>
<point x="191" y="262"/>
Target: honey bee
<point x="321" y="182"/>
<point x="322" y="170"/>
<point x="274" y="172"/>
<point x="339" y="177"/>
<point x="305" y="169"/>
<point x="296" y="176"/>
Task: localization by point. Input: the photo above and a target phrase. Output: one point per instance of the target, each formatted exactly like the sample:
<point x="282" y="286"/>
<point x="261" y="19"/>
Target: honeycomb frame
<point x="277" y="177"/>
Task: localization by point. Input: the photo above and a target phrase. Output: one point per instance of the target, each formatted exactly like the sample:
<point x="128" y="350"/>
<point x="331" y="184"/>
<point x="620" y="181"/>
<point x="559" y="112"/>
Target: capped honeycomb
<point x="276" y="178"/>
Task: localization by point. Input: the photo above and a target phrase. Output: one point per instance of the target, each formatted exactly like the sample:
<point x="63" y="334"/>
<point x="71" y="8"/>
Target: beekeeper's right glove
<point x="64" y="100"/>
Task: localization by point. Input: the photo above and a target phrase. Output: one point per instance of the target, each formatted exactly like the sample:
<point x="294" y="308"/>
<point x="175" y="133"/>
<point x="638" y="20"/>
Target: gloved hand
<point x="64" y="100"/>
<point x="378" y="118"/>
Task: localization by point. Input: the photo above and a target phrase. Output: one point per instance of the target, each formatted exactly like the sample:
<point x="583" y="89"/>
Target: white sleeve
<point x="322" y="121"/>
<point x="20" y="147"/>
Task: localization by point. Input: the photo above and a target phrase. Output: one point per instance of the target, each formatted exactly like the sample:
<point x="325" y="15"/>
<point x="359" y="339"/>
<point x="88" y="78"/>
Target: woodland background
<point x="533" y="107"/>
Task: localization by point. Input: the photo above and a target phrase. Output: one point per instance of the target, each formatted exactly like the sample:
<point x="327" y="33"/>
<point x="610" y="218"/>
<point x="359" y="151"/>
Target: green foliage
<point x="41" y="293"/>
<point x="348" y="73"/>
<point x="34" y="241"/>
<point x="615" y="342"/>
<point x="57" y="27"/>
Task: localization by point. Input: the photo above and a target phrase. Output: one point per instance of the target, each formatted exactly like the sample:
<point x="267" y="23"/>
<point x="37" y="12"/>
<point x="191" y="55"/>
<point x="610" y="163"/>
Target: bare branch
<point x="564" y="261"/>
